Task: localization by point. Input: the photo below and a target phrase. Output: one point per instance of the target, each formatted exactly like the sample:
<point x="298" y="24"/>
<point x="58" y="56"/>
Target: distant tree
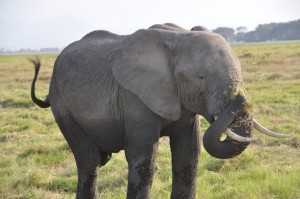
<point x="227" y="33"/>
<point x="272" y="32"/>
<point x="240" y="33"/>
<point x="241" y="29"/>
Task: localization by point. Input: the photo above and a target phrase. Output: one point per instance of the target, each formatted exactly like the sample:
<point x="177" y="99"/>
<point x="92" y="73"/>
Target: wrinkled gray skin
<point x="110" y="93"/>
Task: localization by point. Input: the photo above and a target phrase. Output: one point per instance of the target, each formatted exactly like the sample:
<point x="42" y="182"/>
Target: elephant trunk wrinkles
<point x="239" y="121"/>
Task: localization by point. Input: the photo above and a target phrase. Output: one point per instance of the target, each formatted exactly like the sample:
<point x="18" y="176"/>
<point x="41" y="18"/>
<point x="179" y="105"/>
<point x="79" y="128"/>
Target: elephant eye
<point x="201" y="76"/>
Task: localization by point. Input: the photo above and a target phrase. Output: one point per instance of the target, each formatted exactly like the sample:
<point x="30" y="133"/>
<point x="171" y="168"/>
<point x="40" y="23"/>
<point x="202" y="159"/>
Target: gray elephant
<point x="110" y="93"/>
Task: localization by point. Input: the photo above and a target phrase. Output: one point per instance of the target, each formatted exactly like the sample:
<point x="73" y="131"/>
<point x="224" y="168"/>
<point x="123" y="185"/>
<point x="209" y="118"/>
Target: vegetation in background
<point x="36" y="162"/>
<point x="263" y="32"/>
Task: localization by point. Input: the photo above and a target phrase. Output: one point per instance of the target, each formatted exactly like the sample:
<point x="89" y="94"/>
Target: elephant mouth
<point x="241" y="129"/>
<point x="237" y="124"/>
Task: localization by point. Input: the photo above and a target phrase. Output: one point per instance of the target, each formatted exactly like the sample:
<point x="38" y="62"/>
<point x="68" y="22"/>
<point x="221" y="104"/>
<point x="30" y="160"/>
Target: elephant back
<point x="100" y="34"/>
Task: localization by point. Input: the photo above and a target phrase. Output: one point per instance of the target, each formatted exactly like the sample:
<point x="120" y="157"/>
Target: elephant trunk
<point x="235" y="119"/>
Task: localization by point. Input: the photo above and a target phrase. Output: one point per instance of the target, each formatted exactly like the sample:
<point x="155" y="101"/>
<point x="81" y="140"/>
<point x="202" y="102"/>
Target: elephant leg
<point x="185" y="150"/>
<point x="141" y="149"/>
<point x="85" y="150"/>
<point x="87" y="166"/>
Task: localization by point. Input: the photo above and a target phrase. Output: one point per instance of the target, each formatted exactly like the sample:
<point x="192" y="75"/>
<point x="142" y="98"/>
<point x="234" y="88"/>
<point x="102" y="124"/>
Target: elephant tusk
<point x="237" y="137"/>
<point x="266" y="131"/>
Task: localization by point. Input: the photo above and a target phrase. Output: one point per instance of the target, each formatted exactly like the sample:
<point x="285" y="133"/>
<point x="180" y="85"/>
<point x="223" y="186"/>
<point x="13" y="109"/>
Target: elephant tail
<point x="40" y="103"/>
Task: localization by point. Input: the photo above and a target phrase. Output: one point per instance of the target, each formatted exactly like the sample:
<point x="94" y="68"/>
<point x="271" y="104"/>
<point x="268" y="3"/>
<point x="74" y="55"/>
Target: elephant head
<point x="174" y="69"/>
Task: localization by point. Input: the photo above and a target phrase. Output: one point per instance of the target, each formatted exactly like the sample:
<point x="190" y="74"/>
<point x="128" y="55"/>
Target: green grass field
<point x="36" y="162"/>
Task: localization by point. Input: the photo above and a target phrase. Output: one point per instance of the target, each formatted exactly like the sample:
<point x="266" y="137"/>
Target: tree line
<point x="263" y="32"/>
<point x="28" y="50"/>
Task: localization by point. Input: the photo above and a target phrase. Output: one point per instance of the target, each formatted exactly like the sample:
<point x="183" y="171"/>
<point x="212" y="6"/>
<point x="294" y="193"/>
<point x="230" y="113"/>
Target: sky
<point x="126" y="16"/>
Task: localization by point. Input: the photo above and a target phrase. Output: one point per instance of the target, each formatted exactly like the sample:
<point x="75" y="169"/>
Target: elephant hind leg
<point x="87" y="153"/>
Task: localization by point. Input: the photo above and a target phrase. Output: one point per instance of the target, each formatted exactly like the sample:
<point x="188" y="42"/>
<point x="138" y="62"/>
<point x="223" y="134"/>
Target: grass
<point x="36" y="162"/>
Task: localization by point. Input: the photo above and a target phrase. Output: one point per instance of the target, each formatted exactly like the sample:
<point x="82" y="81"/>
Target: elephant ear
<point x="141" y="65"/>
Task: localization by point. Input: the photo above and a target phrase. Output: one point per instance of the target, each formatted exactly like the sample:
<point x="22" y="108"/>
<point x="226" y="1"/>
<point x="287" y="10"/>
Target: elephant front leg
<point x="185" y="151"/>
<point x="140" y="152"/>
<point x="140" y="178"/>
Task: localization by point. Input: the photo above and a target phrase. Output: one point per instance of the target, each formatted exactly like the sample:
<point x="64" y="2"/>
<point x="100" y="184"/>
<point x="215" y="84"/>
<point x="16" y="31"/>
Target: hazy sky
<point x="129" y="15"/>
<point x="56" y="23"/>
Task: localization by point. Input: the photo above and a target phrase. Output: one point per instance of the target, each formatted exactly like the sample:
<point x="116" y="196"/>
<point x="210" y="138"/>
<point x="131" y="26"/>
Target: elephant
<point x="112" y="92"/>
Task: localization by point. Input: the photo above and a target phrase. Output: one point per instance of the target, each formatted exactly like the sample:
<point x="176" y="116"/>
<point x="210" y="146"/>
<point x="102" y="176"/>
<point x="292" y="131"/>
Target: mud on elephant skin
<point x="110" y="92"/>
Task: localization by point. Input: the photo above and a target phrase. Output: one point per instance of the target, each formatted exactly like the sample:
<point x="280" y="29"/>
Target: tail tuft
<point x="43" y="104"/>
